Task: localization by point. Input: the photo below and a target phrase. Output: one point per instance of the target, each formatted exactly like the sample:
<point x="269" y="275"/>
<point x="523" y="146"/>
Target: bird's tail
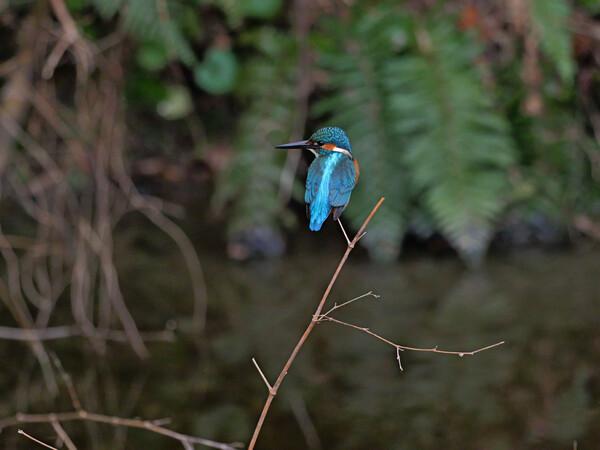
<point x="318" y="213"/>
<point x="315" y="225"/>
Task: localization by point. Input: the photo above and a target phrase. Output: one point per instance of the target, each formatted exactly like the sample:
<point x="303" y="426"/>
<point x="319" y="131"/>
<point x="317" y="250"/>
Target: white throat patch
<point x="342" y="150"/>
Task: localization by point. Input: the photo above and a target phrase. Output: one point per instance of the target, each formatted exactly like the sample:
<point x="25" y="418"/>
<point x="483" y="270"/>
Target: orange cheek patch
<point x="329" y="147"/>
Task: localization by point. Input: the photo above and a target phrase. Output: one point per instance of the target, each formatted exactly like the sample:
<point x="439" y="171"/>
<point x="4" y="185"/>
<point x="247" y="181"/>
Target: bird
<point x="331" y="176"/>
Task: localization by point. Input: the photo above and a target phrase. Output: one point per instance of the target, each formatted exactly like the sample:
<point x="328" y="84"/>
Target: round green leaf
<point x="218" y="71"/>
<point x="151" y="57"/>
<point x="262" y="9"/>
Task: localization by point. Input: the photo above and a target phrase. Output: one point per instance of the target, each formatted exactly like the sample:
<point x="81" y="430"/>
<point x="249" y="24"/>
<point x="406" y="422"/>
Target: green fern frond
<point x="143" y="19"/>
<point x="459" y="148"/>
<point x="251" y="184"/>
<point x="359" y="104"/>
<point x="107" y="8"/>
<point x="176" y="42"/>
<point x="551" y="21"/>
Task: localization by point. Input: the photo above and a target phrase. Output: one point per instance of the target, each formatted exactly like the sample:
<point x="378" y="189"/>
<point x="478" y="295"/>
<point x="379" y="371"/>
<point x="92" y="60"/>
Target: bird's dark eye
<point x="320" y="143"/>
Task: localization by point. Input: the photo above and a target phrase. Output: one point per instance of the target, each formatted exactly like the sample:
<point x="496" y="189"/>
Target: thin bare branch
<point x="313" y="322"/>
<point x="262" y="375"/>
<point x="344" y="231"/>
<point x="67" y="331"/>
<point x="300" y="411"/>
<point x="36" y="440"/>
<point x="336" y="306"/>
<point x="63" y="435"/>
<point x="398" y="358"/>
<point x="68" y="382"/>
<point x="435" y="349"/>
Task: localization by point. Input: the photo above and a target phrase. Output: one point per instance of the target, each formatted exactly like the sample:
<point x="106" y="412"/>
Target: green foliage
<point x="433" y="105"/>
<point x="551" y="21"/>
<point x="359" y="102"/>
<point x="459" y="149"/>
<point x="575" y="399"/>
<point x="177" y="103"/>
<point x="561" y="174"/>
<point x="251" y="183"/>
<point x="592" y="5"/>
<point x="143" y="19"/>
<point x="151" y="57"/>
<point x="107" y="8"/>
<point x="424" y="129"/>
<point x="218" y="72"/>
<point x="262" y="9"/>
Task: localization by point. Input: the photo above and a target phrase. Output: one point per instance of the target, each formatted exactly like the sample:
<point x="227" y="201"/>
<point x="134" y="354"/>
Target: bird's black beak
<point x="299" y="144"/>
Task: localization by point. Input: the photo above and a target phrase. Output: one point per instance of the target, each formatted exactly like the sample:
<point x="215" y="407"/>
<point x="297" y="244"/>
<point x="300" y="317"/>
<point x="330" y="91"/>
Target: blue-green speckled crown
<point x="332" y="135"/>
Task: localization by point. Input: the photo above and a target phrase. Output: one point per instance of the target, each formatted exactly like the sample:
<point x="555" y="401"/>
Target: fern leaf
<point x="142" y="18"/>
<point x="358" y="103"/>
<point x="251" y="183"/>
<point x="550" y="19"/>
<point x="459" y="148"/>
<point x="107" y="8"/>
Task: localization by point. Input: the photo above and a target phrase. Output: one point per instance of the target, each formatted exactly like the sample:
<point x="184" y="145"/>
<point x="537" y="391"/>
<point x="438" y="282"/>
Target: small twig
<point x="36" y="440"/>
<point x="262" y="375"/>
<point x="323" y="318"/>
<point x="336" y="306"/>
<point x="345" y="235"/>
<point x="398" y="350"/>
<point x="68" y="382"/>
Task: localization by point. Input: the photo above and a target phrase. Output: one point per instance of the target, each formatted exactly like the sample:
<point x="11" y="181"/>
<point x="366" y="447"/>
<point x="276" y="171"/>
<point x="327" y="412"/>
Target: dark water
<point x="540" y="390"/>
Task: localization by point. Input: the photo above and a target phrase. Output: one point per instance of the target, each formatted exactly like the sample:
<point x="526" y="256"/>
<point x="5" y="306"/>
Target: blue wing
<point x="341" y="183"/>
<point x="342" y="178"/>
<point x="315" y="175"/>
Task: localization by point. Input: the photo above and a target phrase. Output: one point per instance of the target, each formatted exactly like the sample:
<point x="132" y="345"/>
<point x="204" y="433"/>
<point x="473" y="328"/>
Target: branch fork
<point x="319" y="317"/>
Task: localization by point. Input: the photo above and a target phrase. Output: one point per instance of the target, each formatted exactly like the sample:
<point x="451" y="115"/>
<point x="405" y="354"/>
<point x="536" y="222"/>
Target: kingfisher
<point x="331" y="176"/>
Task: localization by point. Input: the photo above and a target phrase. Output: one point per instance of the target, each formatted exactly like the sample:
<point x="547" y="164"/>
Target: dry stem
<point x="399" y="348"/>
<point x="111" y="420"/>
<point x="313" y="322"/>
<point x="36" y="440"/>
<point x="324" y="318"/>
<point x="55" y="419"/>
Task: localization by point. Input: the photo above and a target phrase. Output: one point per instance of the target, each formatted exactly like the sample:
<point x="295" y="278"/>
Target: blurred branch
<point x="114" y="421"/>
<point x="307" y="426"/>
<point x="79" y="413"/>
<point x="71" y="38"/>
<point x="313" y="322"/>
<point x="64" y="179"/>
<point x="62" y="434"/>
<point x="13" y="96"/>
<point x="67" y="331"/>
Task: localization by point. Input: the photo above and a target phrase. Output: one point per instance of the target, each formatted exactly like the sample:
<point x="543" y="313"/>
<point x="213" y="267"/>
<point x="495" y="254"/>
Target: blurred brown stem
<point x="315" y="319"/>
<point x="114" y="421"/>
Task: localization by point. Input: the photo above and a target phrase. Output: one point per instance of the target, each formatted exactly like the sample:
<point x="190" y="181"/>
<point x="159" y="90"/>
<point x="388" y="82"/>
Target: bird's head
<point x="325" y="141"/>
